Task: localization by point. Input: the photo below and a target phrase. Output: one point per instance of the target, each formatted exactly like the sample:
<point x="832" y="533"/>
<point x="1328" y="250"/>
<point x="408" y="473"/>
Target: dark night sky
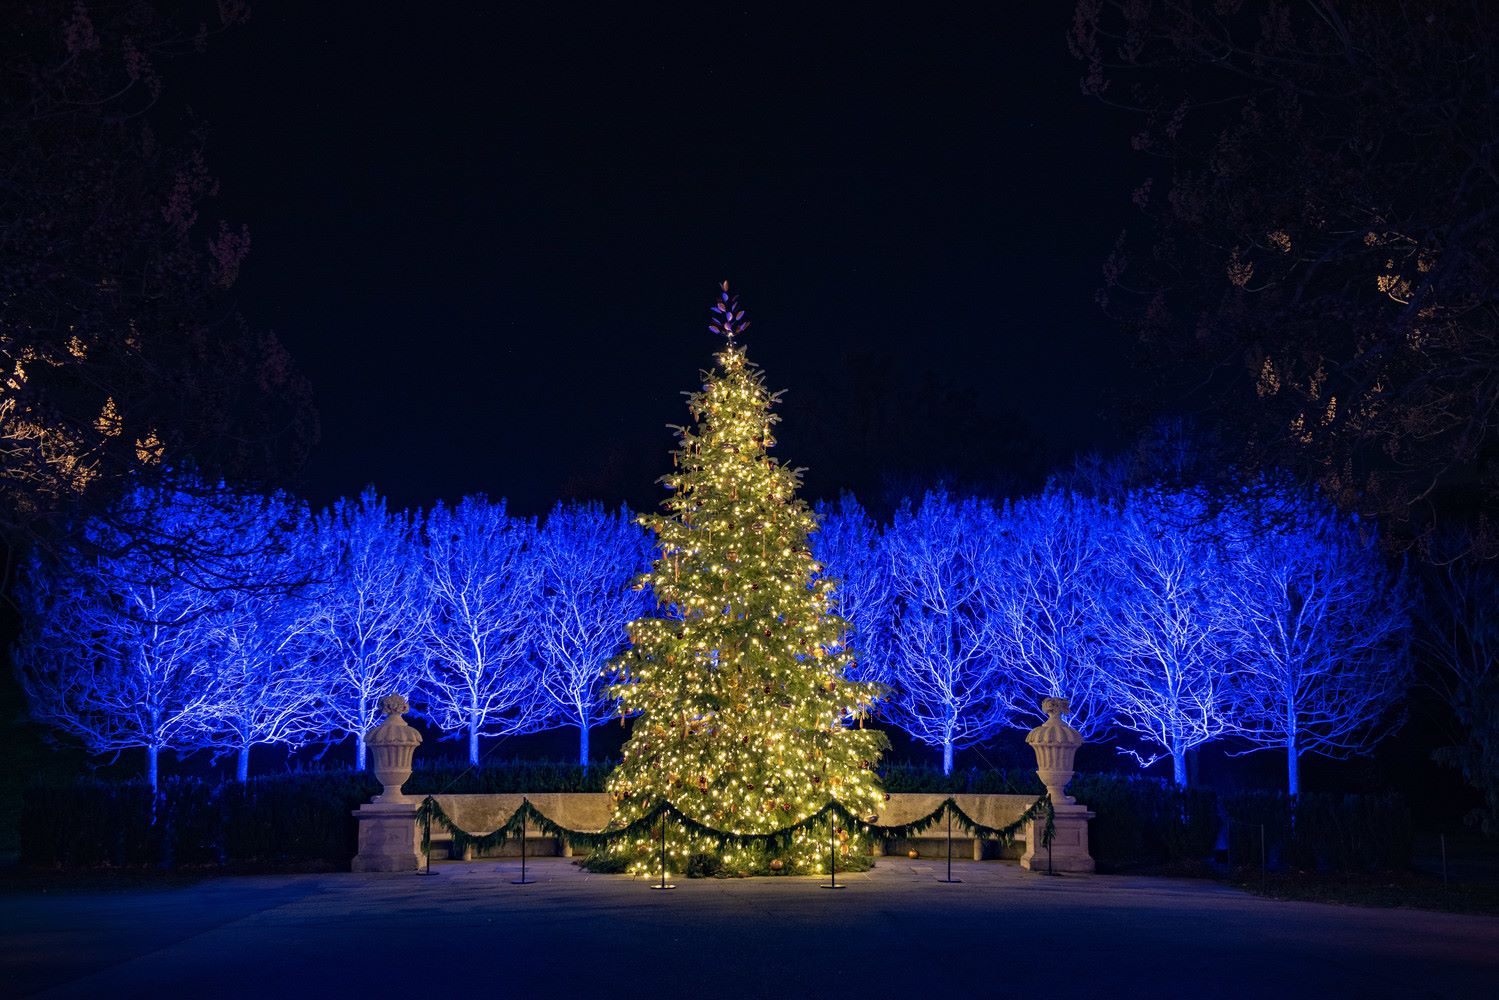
<point x="491" y="241"/>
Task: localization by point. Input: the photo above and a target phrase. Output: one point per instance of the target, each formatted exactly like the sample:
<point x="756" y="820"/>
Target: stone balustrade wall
<point x="480" y="814"/>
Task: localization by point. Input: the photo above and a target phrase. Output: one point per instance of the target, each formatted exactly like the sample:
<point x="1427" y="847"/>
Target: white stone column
<point x="1055" y="744"/>
<point x="389" y="840"/>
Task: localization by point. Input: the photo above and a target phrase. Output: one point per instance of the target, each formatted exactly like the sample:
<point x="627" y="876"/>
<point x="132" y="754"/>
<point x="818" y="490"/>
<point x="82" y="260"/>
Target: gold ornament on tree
<point x="746" y="664"/>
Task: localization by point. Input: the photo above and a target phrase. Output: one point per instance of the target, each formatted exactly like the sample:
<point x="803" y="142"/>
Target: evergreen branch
<point x="430" y="811"/>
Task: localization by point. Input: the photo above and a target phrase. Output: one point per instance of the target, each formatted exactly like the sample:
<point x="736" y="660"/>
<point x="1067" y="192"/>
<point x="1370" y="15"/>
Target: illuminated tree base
<point x="696" y="856"/>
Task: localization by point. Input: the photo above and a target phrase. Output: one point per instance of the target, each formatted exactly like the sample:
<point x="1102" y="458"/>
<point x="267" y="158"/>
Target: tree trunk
<point x="583" y="744"/>
<point x="1293" y="765"/>
<point x="242" y="766"/>
<point x="151" y="754"/>
<point x="947" y="756"/>
<point x="1179" y="768"/>
<point x="362" y="716"/>
<point x="473" y="741"/>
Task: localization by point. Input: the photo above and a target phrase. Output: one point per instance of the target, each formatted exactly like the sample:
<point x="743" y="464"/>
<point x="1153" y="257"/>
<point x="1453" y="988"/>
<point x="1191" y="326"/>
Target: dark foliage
<point x="287" y="819"/>
<point x="513" y="776"/>
<point x="1313" y="267"/>
<point x="1145" y="821"/>
<point x="909" y="777"/>
<point x="291" y="819"/>
<point x="704" y="865"/>
<point x="1319" y="831"/>
<point x="121" y="347"/>
<point x="303" y="818"/>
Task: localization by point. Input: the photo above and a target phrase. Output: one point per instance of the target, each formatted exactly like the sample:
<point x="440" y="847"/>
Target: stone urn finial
<point x="392" y="743"/>
<point x="1056" y="745"/>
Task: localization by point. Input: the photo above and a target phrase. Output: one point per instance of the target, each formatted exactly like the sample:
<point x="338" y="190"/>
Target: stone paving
<point x="894" y="932"/>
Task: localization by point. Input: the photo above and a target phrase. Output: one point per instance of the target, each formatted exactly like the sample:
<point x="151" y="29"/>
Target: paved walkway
<point x="895" y="932"/>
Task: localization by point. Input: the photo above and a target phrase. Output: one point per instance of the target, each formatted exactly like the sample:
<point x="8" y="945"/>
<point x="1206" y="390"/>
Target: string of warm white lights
<point x="648" y="825"/>
<point x="744" y="710"/>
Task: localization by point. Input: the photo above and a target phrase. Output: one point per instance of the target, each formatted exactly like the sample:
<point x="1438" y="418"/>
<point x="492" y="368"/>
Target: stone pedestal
<point x="1069" y="842"/>
<point x="1055" y="744"/>
<point x="389" y="838"/>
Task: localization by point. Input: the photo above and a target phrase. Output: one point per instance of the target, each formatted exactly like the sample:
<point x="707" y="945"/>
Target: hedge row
<point x="989" y="781"/>
<point x="299" y="818"/>
<point x="510" y="777"/>
<point x="1319" y="831"/>
<point x="1145" y="821"/>
<point x="304" y="818"/>
<point x="294" y="819"/>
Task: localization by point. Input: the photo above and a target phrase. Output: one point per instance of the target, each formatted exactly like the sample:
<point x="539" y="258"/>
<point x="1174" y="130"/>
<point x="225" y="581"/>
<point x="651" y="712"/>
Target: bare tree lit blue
<point x="1049" y="578"/>
<point x="847" y="544"/>
<point x="262" y="688"/>
<point x="113" y="646"/>
<point x="944" y="644"/>
<point x="1163" y="636"/>
<point x="1320" y="628"/>
<point x="368" y="630"/>
<point x="586" y="564"/>
<point x="1159" y="616"/>
<point x="479" y="678"/>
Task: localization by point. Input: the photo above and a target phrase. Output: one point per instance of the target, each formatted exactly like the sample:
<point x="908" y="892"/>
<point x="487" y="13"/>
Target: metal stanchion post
<point x="1262" y="857"/>
<point x="832" y="882"/>
<point x="663" y="884"/>
<point x="949" y="878"/>
<point x="522" y="880"/>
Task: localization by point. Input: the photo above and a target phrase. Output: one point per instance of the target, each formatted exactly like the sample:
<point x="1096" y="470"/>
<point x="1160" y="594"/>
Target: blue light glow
<point x="1165" y="620"/>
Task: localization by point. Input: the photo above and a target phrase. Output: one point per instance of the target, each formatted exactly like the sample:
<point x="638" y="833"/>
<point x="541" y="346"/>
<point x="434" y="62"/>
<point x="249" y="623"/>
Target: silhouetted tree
<point x="1459" y="637"/>
<point x="120" y="349"/>
<point x="1314" y="265"/>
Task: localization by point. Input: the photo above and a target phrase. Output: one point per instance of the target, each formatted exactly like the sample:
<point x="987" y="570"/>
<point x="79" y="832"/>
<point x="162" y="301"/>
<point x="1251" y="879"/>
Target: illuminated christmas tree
<point x="744" y="718"/>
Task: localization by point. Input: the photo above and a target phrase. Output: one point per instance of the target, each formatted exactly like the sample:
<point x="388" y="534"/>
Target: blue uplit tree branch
<point x="948" y="684"/>
<point x="1321" y="628"/>
<point x="368" y="627"/>
<point x="113" y="647"/>
<point x="1163" y="643"/>
<point x="478" y="678"/>
<point x="847" y="545"/>
<point x="587" y="562"/>
<point x="262" y="687"/>
<point x="1046" y="591"/>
